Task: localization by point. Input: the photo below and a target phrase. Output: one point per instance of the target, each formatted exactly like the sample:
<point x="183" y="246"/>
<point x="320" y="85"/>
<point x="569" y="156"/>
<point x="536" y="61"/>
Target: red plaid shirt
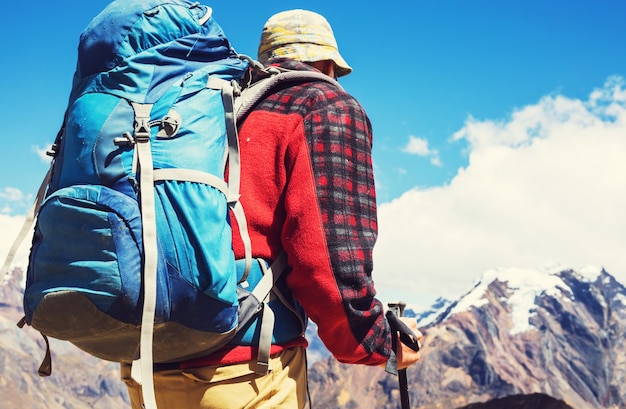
<point x="307" y="186"/>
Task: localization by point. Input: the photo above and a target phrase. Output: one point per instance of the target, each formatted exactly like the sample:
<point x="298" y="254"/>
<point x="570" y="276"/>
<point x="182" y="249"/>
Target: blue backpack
<point x="134" y="228"/>
<point x="132" y="256"/>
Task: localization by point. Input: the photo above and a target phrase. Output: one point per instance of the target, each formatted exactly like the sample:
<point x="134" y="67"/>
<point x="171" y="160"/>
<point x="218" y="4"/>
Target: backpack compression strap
<point x="148" y="215"/>
<point x="262" y="292"/>
<point x="234" y="166"/>
<point x="256" y="303"/>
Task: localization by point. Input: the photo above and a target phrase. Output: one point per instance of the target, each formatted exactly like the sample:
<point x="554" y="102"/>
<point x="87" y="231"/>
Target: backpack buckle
<point x="142" y="122"/>
<point x="142" y="130"/>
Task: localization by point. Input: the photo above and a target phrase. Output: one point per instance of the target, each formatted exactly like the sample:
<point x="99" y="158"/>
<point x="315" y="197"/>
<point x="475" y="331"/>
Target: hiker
<point x="307" y="186"/>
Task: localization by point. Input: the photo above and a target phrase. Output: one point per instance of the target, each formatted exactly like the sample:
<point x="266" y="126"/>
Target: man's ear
<point x="325" y="66"/>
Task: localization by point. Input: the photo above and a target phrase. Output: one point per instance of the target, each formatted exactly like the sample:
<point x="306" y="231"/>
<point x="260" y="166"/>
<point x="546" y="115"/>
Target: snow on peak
<point x="525" y="284"/>
<point x="590" y="273"/>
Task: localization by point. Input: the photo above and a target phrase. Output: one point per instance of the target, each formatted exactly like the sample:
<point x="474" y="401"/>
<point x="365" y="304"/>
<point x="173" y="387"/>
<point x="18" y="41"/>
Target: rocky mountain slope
<point x="557" y="332"/>
<point x="78" y="380"/>
<point x="555" y="335"/>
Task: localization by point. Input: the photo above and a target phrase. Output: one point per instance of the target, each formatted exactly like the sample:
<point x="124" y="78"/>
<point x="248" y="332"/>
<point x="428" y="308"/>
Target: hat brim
<point x="307" y="52"/>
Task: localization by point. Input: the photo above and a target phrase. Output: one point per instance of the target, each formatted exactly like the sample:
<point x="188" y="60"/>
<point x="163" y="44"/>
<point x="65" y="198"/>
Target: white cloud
<point x="42" y="153"/>
<point x="548" y="184"/>
<point x="13" y="201"/>
<point x="419" y="146"/>
<point x="12" y="194"/>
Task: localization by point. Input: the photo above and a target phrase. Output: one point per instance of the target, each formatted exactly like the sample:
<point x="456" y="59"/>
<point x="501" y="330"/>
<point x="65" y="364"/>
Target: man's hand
<point x="405" y="356"/>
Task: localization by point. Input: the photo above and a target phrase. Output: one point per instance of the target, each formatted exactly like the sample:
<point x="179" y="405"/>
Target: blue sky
<point x="447" y="85"/>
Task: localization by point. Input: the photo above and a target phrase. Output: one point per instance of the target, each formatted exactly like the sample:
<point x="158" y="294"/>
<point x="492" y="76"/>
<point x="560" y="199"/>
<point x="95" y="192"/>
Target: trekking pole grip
<point x="397" y="308"/>
<point x="395" y="311"/>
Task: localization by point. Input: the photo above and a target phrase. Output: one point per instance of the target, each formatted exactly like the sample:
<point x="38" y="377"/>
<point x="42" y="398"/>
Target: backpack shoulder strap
<point x="278" y="77"/>
<point x="261" y="292"/>
<point x="272" y="78"/>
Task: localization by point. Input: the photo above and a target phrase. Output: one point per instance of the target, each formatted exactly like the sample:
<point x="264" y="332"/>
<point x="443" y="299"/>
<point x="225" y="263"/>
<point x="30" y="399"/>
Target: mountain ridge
<point x="493" y="342"/>
<point x="555" y="331"/>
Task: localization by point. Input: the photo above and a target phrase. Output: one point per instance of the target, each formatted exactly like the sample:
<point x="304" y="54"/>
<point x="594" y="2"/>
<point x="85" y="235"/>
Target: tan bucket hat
<point x="303" y="36"/>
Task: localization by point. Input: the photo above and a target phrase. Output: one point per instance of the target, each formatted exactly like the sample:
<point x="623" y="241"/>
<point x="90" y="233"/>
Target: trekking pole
<point x="406" y="336"/>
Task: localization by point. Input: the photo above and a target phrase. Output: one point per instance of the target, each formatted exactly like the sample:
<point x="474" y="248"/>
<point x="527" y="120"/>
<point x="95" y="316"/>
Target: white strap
<point x="262" y="292"/>
<point x="28" y="223"/>
<point x="206" y="17"/>
<point x="189" y="175"/>
<point x="234" y="166"/>
<point x="242" y="222"/>
<point x="270" y="276"/>
<point x="146" y="192"/>
<point x="265" y="340"/>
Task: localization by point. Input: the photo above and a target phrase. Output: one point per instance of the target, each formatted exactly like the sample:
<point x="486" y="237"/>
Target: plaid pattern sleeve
<point x="340" y="144"/>
<point x="339" y="138"/>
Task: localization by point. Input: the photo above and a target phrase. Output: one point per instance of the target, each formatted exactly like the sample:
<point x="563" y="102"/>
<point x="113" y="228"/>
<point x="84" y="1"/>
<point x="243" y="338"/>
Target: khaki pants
<point x="229" y="387"/>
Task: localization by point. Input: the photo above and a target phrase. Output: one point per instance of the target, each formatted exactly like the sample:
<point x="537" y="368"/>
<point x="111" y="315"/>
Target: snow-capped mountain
<point x="556" y="331"/>
<point x="428" y="315"/>
<point x="524" y="285"/>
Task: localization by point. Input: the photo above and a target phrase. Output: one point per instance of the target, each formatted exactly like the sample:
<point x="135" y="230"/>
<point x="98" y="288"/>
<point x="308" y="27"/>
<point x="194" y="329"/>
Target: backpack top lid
<point x="127" y="27"/>
<point x="161" y="39"/>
